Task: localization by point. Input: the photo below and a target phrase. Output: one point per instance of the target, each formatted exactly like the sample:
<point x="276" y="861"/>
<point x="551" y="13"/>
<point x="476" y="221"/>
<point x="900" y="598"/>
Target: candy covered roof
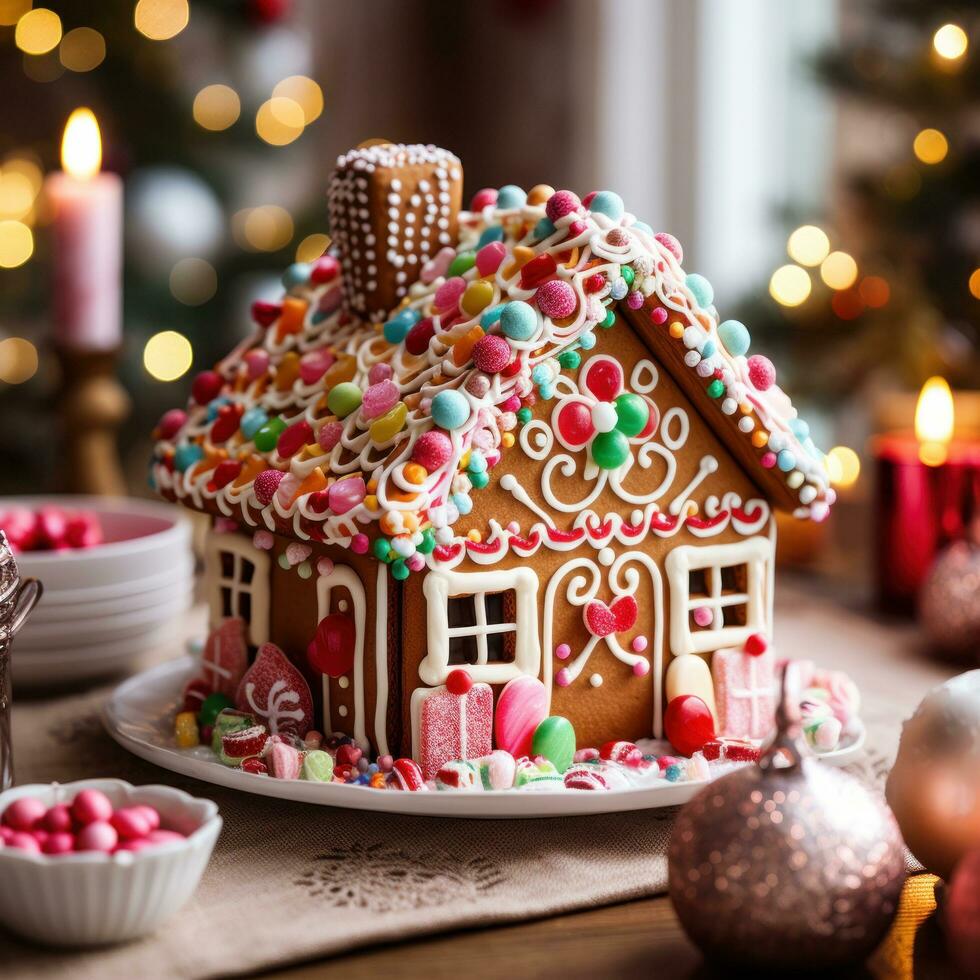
<point x="326" y="425"/>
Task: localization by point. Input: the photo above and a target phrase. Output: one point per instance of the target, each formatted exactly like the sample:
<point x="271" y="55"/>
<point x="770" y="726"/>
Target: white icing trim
<point x="241" y="549"/>
<point x="381" y="659"/>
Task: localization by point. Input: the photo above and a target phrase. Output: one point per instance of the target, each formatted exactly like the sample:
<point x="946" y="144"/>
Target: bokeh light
<point x="304" y="92"/>
<point x="160" y="20"/>
<point x="82" y="49"/>
<point x="38" y="31"/>
<point x="267" y="228"/>
<point x="930" y="146"/>
<point x="11" y="11"/>
<point x="216" y="107"/>
<point x="16" y="244"/>
<point x="843" y="466"/>
<point x="193" y="281"/>
<point x="875" y="291"/>
<point x="17" y="194"/>
<point x="18" y="360"/>
<point x="950" y="42"/>
<point x="279" y="121"/>
<point x="974" y="283"/>
<point x="808" y="245"/>
<point x="168" y="355"/>
<point x="312" y="247"/>
<point x="790" y="285"/>
<point x="839" y="270"/>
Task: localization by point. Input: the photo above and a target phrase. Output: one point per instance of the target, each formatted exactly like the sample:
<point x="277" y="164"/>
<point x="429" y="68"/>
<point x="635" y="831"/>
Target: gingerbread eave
<point x="355" y="414"/>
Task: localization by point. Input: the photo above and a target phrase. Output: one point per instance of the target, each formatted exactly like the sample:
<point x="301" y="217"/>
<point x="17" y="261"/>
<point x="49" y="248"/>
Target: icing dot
<point x="692" y="358"/>
<point x="795" y="479"/>
<point x="785" y="460"/>
<point x="596" y="680"/>
<point x="768" y="460"/>
<point x="342" y="711"/>
<point x="606" y="556"/>
<point x="729" y="406"/>
<point x="808" y="494"/>
<point x="343" y="682"/>
<point x="746" y="424"/>
<point x="703" y="616"/>
<point x="563" y="651"/>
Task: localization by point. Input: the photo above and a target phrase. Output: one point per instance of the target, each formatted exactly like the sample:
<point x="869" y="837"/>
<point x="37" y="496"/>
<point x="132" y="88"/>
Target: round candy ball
<point x="450" y="409"/>
<point x="518" y="321"/>
<point x="484" y="197"/>
<point x="432" y="450"/>
<point x="610" y="449"/>
<point x="556" y="299"/>
<point x="187" y="455"/>
<point x="735" y="336"/>
<point x="492" y="353"/>
<point x="458" y="681"/>
<point x="632" y="414"/>
<point x="344" y="399"/>
<point x="671" y="244"/>
<point x="90" y="806"/>
<point x="561" y="203"/>
<point x="511" y="196"/>
<point x="762" y="373"/>
<point x="23" y="813"/>
<point x="205" y="386"/>
<point x="171" y="423"/>
<point x="99" y="835"/>
<point x="296" y="274"/>
<point x="703" y="291"/>
<point x="608" y="203"/>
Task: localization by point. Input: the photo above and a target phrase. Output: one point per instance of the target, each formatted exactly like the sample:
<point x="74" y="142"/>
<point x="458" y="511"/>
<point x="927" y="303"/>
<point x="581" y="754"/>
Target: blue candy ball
<point x="735" y="336"/>
<point x="252" y="421"/>
<point x="489" y="317"/>
<point x="785" y="460"/>
<point x="215" y="404"/>
<point x="518" y="321"/>
<point x="800" y="429"/>
<point x="587" y="341"/>
<point x="450" y="409"/>
<point x="187" y="455"/>
<point x="544" y="228"/>
<point x="619" y="289"/>
<point x="296" y="274"/>
<point x="643" y="226"/>
<point x="462" y="503"/>
<point x="399" y="325"/>
<point x="703" y="290"/>
<point x="492" y="234"/>
<point x="511" y="196"/>
<point x="608" y="203"/>
<point x="477" y="463"/>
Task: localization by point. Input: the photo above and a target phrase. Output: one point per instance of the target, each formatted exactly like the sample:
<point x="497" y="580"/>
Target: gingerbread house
<point x="514" y="439"/>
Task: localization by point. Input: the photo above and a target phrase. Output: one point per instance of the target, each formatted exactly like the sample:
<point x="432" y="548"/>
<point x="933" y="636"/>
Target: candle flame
<point x="934" y="421"/>
<point x="81" y="146"/>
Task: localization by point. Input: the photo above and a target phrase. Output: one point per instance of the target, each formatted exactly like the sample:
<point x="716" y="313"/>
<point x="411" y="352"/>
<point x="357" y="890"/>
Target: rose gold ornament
<point x="949" y="601"/>
<point x="934" y="786"/>
<point x="788" y="863"/>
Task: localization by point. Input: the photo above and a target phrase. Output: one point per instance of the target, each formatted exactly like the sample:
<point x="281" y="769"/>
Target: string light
<point x="279" y="121"/>
<point x="790" y="285"/>
<point x="843" y="466"/>
<point x="38" y="31"/>
<point x="312" y="247"/>
<point x="160" y="20"/>
<point x="82" y="49"/>
<point x="16" y="244"/>
<point x="216" y="107"/>
<point x="950" y="42"/>
<point x="18" y="360"/>
<point x="974" y="283"/>
<point x="839" y="270"/>
<point x="193" y="281"/>
<point x="304" y="92"/>
<point x="930" y="146"/>
<point x="808" y="245"/>
<point x="167" y="355"/>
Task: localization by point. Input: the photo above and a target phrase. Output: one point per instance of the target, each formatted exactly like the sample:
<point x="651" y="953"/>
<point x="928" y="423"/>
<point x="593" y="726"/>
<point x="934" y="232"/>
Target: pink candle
<point x="87" y="219"/>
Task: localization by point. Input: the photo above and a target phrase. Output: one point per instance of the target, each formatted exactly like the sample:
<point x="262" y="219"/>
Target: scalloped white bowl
<point x="92" y="899"/>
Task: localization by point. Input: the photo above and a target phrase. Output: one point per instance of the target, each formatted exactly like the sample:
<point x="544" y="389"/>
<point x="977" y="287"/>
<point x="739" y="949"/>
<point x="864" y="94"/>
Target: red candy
<point x="595" y="282"/>
<point x="408" y="775"/>
<point x="756" y="644"/>
<point x="762" y="373"/>
<point x="730" y="750"/>
<point x="58" y="843"/>
<point x="561" y="203"/>
<point x="171" y="423"/>
<point x="459" y="681"/>
<point x="671" y="244"/>
<point x="688" y="723"/>
<point x="23" y="841"/>
<point x="417" y="339"/>
<point x="348" y="755"/>
<point x="194" y="694"/>
<point x="130" y="823"/>
<point x="275" y="691"/>
<point x="57" y="820"/>
<point x="539" y="269"/>
<point x="332" y="649"/>
<point x="492" y="353"/>
<point x="245" y="743"/>
<point x="255" y="766"/>
<point x="91" y="806"/>
<point x="265" y="314"/>
<point x="266" y="484"/>
<point x="226" y="471"/>
<point x="625" y="752"/>
<point x="324" y="269"/>
<point x="23" y="813"/>
<point x="294" y="438"/>
<point x="227" y="423"/>
<point x="556" y="299"/>
<point x="483" y="198"/>
<point x="432" y="450"/>
<point x="206" y="386"/>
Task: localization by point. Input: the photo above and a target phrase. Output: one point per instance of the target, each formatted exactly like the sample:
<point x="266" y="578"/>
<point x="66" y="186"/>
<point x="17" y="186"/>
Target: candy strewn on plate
<point x="50" y="528"/>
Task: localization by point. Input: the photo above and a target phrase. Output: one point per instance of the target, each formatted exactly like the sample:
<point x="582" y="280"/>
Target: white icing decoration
<point x="241" y="550"/>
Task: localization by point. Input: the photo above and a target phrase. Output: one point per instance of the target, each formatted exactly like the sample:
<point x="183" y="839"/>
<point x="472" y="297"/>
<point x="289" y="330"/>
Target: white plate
<point x="139" y="715"/>
<point x="69" y="601"/>
<point x="77" y="611"/>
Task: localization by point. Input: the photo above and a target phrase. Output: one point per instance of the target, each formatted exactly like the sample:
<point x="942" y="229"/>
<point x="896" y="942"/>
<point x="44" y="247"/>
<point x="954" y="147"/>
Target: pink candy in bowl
<point x="63" y="843"/>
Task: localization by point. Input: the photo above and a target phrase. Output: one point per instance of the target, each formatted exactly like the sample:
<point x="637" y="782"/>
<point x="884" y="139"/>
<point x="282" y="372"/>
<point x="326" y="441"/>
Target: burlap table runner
<point x="290" y="881"/>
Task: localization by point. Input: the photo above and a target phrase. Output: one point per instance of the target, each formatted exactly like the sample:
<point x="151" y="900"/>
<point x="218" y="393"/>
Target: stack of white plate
<point x="104" y="607"/>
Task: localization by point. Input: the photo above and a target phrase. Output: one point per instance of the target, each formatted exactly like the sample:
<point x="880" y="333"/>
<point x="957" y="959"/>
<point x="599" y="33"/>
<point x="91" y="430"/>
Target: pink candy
<point x="99" y="835"/>
<point x="57" y="820"/>
<point x="379" y="399"/>
<point x="561" y="203"/>
<point x="130" y="822"/>
<point x="266" y="484"/>
<point x="556" y="299"/>
<point x="521" y="707"/>
<point x="745" y="692"/>
<point x="50" y="528"/>
<point x="762" y="373"/>
<point x="256" y="362"/>
<point x="90" y="806"/>
<point x="171" y="423"/>
<point x="492" y="353"/>
<point x="448" y="294"/>
<point x="455" y="726"/>
<point x="313" y="366"/>
<point x="345" y="495"/>
<point x="437" y="266"/>
<point x="58" y="843"/>
<point x="489" y="257"/>
<point x="22" y="814"/>
<point x="432" y="450"/>
<point x="671" y="244"/>
<point x="330" y="435"/>
<point x="379" y="372"/>
<point x="284" y="760"/>
<point x="483" y="198"/>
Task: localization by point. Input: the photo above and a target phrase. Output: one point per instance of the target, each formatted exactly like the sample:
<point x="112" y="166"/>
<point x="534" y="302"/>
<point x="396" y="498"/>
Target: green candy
<point x="554" y="738"/>
<point x="344" y="399"/>
<point x="267" y="437"/>
<point x="317" y="766"/>
<point x="479" y="480"/>
<point x="381" y="549"/>
<point x="399" y="569"/>
<point x="226" y="719"/>
<point x="462" y="263"/>
<point x="524" y="415"/>
<point x="626" y="271"/>
<point x="428" y="541"/>
<point x="632" y="414"/>
<point x="610" y="449"/>
<point x="570" y="359"/>
<point x="717" y="388"/>
<point x="609" y="320"/>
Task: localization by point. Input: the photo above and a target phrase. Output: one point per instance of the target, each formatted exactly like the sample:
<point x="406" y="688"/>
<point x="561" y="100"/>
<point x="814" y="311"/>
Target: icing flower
<point x="603" y="416"/>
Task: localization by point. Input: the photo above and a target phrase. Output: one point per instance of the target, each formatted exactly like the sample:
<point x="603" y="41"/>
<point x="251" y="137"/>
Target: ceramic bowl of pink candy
<point x="99" y="861"/>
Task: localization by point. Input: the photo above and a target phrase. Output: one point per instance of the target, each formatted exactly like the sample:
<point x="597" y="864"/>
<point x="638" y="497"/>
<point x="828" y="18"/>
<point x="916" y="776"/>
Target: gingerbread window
<point x="484" y="621"/>
<point x="717" y="594"/>
<point x="237" y="575"/>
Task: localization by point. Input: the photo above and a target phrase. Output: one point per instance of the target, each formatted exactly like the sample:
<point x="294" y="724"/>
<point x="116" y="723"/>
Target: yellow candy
<point x="507" y="439"/>
<point x="677" y="330"/>
<point x="539" y="193"/>
<point x="389" y="425"/>
<point x="288" y="371"/>
<point x="410" y="521"/>
<point x="371" y="502"/>
<point x="759" y="438"/>
<point x="478" y="296"/>
<point x="475" y="536"/>
<point x="415" y="473"/>
<point x="185" y="730"/>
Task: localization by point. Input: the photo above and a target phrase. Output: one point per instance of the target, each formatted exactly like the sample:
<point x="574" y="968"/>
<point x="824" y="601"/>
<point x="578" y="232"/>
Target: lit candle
<point x="927" y="494"/>
<point x="87" y="220"/>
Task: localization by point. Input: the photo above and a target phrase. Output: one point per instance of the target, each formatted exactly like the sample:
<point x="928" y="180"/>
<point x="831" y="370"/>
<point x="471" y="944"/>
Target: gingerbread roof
<point x="326" y="425"/>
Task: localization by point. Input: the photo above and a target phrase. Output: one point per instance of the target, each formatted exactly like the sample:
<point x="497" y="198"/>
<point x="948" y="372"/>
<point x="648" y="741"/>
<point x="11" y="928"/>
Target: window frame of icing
<point x="755" y="554"/>
<point x="441" y="585"/>
<point x="241" y="550"/>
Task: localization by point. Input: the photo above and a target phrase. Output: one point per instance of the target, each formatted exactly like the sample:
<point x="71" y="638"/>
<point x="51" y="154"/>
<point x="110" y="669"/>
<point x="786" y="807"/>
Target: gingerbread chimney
<point x="392" y="207"/>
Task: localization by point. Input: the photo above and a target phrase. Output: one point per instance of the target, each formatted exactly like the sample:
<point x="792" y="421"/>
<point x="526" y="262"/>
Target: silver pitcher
<point x="18" y="597"/>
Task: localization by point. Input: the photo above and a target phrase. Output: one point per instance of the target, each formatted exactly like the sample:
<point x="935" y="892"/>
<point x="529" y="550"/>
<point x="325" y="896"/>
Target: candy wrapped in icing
<point x="459" y="775"/>
<point x="456" y="722"/>
<point x="537" y="774"/>
<point x="746" y="691"/>
<point x="497" y="770"/>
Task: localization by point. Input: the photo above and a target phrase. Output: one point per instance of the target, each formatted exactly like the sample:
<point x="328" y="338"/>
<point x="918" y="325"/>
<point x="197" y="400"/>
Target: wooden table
<point x="636" y="939"/>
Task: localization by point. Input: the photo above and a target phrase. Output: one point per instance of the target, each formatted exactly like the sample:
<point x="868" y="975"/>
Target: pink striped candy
<point x="521" y="707"/>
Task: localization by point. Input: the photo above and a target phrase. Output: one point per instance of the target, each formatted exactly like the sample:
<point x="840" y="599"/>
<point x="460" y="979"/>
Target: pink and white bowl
<point x="92" y="898"/>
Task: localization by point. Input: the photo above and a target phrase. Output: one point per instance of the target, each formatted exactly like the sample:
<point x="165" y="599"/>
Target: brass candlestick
<point x="92" y="405"/>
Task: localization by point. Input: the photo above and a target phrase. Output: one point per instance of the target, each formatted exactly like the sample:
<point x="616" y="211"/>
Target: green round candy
<point x="267" y="437"/>
<point x="462" y="263"/>
<point x="554" y="738"/>
<point x="626" y="271"/>
<point x="609" y="320"/>
<point x="717" y="388"/>
<point x="317" y="766"/>
<point x="344" y="399"/>
<point x="428" y="541"/>
<point x="524" y="415"/>
<point x="399" y="569"/>
<point x="632" y="414"/>
<point x="213" y="705"/>
<point x="479" y="480"/>
<point x="610" y="449"/>
<point x="381" y="549"/>
<point x="570" y="359"/>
